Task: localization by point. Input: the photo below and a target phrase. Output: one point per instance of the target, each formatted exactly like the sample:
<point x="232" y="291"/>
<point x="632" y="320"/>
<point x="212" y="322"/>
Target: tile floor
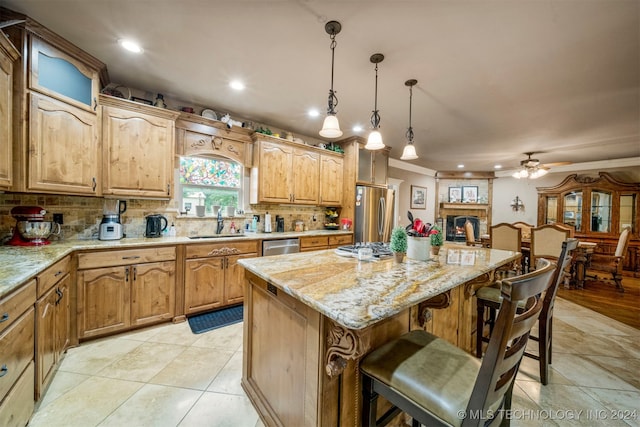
<point x="167" y="376"/>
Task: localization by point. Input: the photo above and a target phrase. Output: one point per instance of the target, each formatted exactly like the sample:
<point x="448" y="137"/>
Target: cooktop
<point x="378" y="249"/>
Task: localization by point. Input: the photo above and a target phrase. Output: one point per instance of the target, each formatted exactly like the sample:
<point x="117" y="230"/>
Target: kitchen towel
<point x="215" y="319"/>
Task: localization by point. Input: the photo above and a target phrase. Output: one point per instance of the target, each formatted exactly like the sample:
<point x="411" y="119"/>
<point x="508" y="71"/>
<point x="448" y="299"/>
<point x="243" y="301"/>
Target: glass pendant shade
<point x="374" y="142"/>
<point x="331" y="127"/>
<point x="409" y="152"/>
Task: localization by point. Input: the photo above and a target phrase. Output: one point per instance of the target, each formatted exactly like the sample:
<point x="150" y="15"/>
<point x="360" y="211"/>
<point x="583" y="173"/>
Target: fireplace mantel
<point x="468" y="206"/>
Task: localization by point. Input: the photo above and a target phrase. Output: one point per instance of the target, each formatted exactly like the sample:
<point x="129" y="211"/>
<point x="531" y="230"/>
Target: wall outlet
<point x="58" y="217"/>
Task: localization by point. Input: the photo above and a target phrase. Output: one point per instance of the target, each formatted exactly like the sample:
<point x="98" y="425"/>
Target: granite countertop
<point x="356" y="294"/>
<point x="20" y="263"/>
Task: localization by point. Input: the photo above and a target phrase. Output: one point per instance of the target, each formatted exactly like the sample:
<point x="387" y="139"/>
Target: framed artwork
<point x="455" y="194"/>
<point x="470" y="194"/>
<point x="467" y="257"/>
<point x="453" y="256"/>
<point x="418" y="197"/>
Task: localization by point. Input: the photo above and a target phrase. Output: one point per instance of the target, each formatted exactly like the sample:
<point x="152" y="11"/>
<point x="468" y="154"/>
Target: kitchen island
<point x="310" y="317"/>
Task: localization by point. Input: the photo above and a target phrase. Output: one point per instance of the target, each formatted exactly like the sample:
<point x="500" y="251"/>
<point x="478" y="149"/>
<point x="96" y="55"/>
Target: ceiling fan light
<point x="331" y="127"/>
<point x="374" y="142"/>
<point x="409" y="152"/>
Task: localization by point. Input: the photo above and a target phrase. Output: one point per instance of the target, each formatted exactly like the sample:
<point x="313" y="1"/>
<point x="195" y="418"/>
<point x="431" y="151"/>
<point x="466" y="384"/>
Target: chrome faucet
<point x="220" y="223"/>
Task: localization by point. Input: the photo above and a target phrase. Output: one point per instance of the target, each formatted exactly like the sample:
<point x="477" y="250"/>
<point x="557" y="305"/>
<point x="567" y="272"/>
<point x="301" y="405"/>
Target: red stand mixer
<point x="31" y="229"/>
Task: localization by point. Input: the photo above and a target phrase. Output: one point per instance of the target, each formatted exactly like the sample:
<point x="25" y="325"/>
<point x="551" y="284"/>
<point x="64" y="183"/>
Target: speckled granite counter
<point x="356" y="293"/>
<point x="19" y="263"/>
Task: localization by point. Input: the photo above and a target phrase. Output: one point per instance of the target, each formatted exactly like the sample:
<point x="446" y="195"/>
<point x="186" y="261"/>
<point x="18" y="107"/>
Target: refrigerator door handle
<point x="381" y="212"/>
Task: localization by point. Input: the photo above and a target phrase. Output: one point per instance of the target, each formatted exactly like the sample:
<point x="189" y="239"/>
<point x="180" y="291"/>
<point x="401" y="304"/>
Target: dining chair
<point x="526" y="228"/>
<point x="439" y="384"/>
<point x="611" y="264"/>
<point x="546" y="241"/>
<point x="470" y="235"/>
<point x="488" y="297"/>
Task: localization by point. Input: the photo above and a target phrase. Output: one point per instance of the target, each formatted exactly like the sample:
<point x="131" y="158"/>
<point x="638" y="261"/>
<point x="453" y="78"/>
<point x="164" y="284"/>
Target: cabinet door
<point x="306" y="169"/>
<point x="203" y="284"/>
<point x="7" y="56"/>
<point x="63" y="316"/>
<point x="103" y="300"/>
<point x="63" y="148"/>
<point x="275" y="175"/>
<point x="234" y="280"/>
<point x="138" y="153"/>
<point x="331" y="173"/>
<point x="153" y="292"/>
<point x="46" y="339"/>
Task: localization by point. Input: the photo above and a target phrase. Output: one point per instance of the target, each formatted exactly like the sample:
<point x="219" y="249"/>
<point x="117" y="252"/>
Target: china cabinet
<point x="598" y="209"/>
<point x="139" y="146"/>
<point x="8" y="54"/>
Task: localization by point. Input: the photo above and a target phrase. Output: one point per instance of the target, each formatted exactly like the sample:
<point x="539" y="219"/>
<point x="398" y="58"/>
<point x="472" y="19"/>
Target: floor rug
<point x="215" y="319"/>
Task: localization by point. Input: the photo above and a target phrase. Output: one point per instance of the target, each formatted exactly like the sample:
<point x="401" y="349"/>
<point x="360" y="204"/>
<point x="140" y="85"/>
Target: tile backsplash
<point x="82" y="215"/>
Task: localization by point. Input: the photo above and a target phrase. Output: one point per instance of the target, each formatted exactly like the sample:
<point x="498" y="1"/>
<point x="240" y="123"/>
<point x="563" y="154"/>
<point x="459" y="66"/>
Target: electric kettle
<point x="155" y="225"/>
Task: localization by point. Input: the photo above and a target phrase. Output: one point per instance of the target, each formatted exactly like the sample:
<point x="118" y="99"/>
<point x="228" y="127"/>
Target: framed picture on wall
<point x="470" y="194"/>
<point x="455" y="194"/>
<point x="418" y="197"/>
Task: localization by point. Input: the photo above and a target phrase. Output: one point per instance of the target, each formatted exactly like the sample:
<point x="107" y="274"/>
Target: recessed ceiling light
<point x="357" y="128"/>
<point x="497" y="167"/>
<point x="130" y="45"/>
<point x="236" y="85"/>
<point x="313" y="113"/>
<point x="460" y="166"/>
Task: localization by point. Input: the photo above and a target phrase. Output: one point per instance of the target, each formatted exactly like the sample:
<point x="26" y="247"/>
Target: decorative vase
<point x="398" y="256"/>
<point x="435" y="250"/>
<point x="418" y="248"/>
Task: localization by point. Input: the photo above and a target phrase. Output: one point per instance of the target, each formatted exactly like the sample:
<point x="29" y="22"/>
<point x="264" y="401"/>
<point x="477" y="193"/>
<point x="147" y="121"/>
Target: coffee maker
<point x="110" y="226"/>
<point x="31" y="229"/>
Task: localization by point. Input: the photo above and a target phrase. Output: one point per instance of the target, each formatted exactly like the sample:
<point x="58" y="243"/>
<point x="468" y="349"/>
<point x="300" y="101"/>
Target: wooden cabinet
<point x="331" y="180"/>
<point x="199" y="136"/>
<point x="316" y="243"/>
<point x="63" y="148"/>
<point x="118" y="290"/>
<point x="598" y="209"/>
<point x="139" y="145"/>
<point x="16" y="355"/>
<point x="213" y="278"/>
<point x="8" y="54"/>
<point x="373" y="166"/>
<point x="53" y="321"/>
<point x="291" y="173"/>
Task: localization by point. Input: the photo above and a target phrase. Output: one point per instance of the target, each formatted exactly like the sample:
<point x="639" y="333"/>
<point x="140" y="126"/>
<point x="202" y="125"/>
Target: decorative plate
<point x="209" y="114"/>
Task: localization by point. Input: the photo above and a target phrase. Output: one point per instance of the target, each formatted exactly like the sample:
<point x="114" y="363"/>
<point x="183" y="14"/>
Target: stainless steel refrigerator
<point x="374" y="214"/>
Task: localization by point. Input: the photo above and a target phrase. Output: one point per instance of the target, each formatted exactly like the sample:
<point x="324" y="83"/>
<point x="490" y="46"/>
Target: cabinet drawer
<point x="19" y="405"/>
<point x="51" y="275"/>
<point x="12" y="306"/>
<point x="16" y="350"/>
<point x="343" y="239"/>
<point x="221" y="249"/>
<point x="126" y="257"/>
<point x="314" y="242"/>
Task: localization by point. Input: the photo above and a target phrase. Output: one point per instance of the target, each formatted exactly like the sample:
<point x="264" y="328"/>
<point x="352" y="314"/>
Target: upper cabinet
<point x="597" y="208"/>
<point x="290" y="173"/>
<point x="139" y="145"/>
<point x="8" y="54"/>
<point x="56" y="128"/>
<point x="200" y="136"/>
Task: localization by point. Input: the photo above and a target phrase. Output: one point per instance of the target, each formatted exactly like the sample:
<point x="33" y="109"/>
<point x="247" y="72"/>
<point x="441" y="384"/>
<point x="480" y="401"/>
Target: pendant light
<point x="409" y="152"/>
<point x="331" y="127"/>
<point x="374" y="142"/>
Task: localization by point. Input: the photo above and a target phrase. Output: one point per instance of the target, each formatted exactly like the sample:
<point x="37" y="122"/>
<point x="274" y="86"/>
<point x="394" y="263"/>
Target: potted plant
<point x="435" y="234"/>
<point x="398" y="244"/>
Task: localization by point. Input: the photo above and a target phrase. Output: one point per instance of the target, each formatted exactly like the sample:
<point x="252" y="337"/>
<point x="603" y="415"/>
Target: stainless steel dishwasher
<point x="280" y="246"/>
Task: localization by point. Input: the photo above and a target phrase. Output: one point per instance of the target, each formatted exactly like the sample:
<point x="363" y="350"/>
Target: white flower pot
<point x="419" y="248"/>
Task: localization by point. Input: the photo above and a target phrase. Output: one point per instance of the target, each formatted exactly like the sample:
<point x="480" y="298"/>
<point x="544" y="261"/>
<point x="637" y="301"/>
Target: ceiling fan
<point x="532" y="168"/>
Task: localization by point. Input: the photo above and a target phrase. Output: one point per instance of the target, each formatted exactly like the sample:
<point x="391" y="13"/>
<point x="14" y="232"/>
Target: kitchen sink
<point x="217" y="236"/>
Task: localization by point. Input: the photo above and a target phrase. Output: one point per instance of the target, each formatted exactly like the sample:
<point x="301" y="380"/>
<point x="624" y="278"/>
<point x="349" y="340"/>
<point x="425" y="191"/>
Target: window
<point x="209" y="182"/>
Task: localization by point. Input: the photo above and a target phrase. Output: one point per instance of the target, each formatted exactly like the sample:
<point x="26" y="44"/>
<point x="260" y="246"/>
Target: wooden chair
<point x="509" y="238"/>
<point x="439" y="384"/>
<point x="546" y="241"/>
<point x="470" y="235"/>
<point x="612" y="264"/>
<point x="488" y="297"/>
<point x="526" y="228"/>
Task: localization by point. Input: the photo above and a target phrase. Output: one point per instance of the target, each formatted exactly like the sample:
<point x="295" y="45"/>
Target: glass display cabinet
<point x="598" y="209"/>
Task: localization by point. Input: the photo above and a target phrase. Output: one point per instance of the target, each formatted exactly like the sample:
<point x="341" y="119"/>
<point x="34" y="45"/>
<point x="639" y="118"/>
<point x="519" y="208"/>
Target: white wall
<point x="403" y="195"/>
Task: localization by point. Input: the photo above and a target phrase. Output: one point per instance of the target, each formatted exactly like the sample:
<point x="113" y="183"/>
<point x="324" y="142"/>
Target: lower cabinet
<point x="316" y="243"/>
<point x="213" y="278"/>
<point x="119" y="290"/>
<point x="17" y="330"/>
<point x="53" y="322"/>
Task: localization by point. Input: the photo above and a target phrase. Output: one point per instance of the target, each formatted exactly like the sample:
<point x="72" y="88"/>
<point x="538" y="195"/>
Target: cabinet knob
<point x="4" y="317"/>
<point x="4" y="371"/>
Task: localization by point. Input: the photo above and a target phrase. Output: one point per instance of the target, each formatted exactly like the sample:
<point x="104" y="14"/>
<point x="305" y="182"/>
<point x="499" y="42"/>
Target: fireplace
<point x="455" y="228"/>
